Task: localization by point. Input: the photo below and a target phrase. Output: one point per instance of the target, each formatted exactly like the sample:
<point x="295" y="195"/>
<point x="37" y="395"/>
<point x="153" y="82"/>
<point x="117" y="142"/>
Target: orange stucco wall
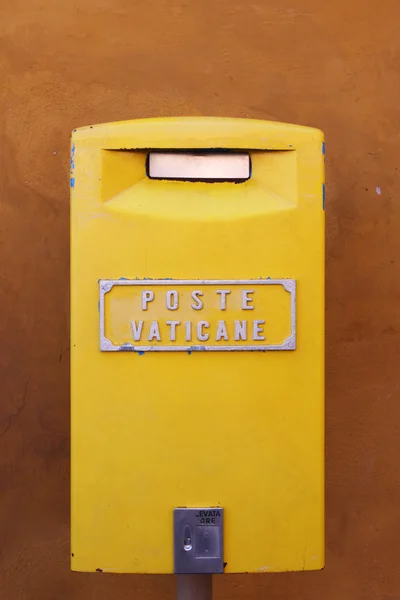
<point x="334" y="65"/>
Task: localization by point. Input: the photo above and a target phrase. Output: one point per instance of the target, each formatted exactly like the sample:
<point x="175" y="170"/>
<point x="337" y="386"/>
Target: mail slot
<point x="197" y="347"/>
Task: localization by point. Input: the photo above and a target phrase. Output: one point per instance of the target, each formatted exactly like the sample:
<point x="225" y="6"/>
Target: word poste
<point x="197" y="329"/>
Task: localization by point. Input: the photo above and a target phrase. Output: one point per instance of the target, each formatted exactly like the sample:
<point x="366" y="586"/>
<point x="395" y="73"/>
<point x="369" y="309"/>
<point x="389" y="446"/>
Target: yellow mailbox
<point x="197" y="346"/>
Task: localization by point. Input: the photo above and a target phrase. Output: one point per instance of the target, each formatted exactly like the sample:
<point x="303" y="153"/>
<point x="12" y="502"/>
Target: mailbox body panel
<point x="152" y="431"/>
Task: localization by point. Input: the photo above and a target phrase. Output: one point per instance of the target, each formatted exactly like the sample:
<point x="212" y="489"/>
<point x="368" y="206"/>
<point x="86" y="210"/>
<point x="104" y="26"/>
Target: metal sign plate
<point x="197" y="315"/>
<point x="198" y="540"/>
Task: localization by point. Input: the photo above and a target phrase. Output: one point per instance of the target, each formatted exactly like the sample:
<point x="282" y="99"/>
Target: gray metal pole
<point x="194" y="587"/>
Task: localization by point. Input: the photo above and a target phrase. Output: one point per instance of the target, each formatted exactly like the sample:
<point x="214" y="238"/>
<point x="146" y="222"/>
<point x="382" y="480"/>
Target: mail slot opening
<point x="203" y="165"/>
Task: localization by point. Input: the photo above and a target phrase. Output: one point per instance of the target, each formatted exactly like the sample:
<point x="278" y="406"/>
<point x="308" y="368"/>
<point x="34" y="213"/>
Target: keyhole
<point x="187" y="540"/>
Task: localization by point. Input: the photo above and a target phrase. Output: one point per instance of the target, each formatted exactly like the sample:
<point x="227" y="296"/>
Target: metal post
<point x="194" y="587"/>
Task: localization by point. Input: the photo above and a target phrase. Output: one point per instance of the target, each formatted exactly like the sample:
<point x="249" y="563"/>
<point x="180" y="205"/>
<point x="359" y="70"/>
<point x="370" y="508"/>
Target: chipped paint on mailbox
<point x="206" y="387"/>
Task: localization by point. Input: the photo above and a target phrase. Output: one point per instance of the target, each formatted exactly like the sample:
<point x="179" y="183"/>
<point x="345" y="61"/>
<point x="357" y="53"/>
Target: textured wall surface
<point x="334" y="65"/>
